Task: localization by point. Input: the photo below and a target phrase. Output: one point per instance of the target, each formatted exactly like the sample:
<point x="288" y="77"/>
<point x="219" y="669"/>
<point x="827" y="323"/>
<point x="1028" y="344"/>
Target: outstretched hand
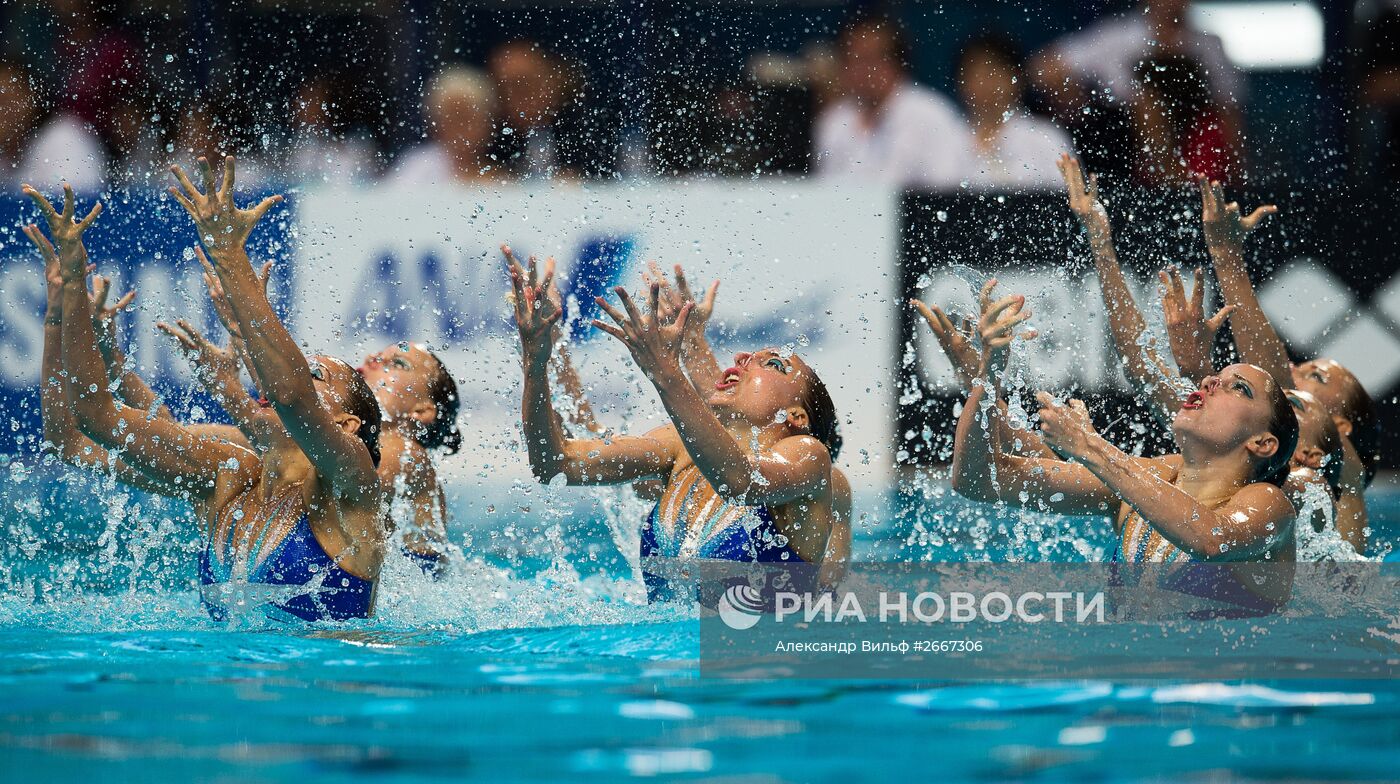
<point x="997" y="329"/>
<point x="1190" y="334"/>
<point x="222" y="307"/>
<point x="1221" y="222"/>
<point x="222" y="224"/>
<point x="208" y="360"/>
<point x="535" y="311"/>
<point x="1084" y="200"/>
<point x="955" y="341"/>
<point x="104" y="316"/>
<point x="654" y="346"/>
<point x="66" y="230"/>
<point x="673" y="298"/>
<point x="1066" y="428"/>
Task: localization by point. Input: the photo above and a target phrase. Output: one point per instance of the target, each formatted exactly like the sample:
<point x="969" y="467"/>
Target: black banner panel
<point x="1325" y="274"/>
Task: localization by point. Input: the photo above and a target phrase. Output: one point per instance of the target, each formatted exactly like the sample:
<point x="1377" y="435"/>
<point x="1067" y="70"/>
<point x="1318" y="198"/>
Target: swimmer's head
<point x="1319" y="444"/>
<point x="775" y="385"/>
<point x="1242" y="407"/>
<point x="350" y="400"/>
<point x="1349" y="404"/>
<point x="414" y="387"/>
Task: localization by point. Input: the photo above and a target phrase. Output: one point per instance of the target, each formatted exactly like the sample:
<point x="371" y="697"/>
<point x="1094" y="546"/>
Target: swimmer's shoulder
<point x="1167" y="466"/>
<point x="841" y="494"/>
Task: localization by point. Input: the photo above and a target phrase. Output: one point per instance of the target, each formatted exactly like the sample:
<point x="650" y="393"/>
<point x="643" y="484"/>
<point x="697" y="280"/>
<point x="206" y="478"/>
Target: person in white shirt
<point x="1104" y="56"/>
<point x="59" y="148"/>
<point x="1013" y="148"/>
<point x="320" y="151"/>
<point x="461" y="106"/>
<point x="887" y="129"/>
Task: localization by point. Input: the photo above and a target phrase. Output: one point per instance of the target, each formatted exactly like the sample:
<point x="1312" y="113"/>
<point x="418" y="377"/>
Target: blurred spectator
<point x="99" y="63"/>
<point x="1104" y="55"/>
<point x="547" y="128"/>
<point x="43" y="150"/>
<point x="460" y="106"/>
<point x="1378" y="67"/>
<point x="887" y="128"/>
<point x="1180" y="135"/>
<point x="1088" y="77"/>
<point x="1013" y="148"/>
<point x="321" y="148"/>
<point x="134" y="136"/>
<point x="203" y="130"/>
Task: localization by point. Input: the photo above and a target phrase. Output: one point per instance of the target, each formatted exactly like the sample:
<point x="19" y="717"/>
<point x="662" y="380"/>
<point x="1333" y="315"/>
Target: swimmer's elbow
<point x="96" y="415"/>
<point x="292" y="395"/>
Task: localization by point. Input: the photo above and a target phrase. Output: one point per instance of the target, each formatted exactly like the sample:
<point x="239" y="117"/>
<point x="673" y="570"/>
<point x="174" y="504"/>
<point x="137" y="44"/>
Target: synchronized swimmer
<point x="329" y="467"/>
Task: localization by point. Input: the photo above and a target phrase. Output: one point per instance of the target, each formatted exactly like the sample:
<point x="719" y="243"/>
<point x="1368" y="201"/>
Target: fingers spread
<point x="611" y="330"/>
<point x="91" y="216"/>
<point x="226" y="193"/>
<point x="984" y="297"/>
<point x="184" y="180"/>
<point x="612" y="312"/>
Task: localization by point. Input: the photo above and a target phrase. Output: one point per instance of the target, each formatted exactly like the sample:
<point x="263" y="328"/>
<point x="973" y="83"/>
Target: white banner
<point x="799" y="265"/>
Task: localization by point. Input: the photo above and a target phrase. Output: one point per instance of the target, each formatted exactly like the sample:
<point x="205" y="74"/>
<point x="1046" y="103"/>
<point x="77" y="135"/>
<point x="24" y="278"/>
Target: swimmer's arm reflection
<point x="1246" y="527"/>
<point x="156" y="446"/>
<point x="551" y="452"/>
<point x="793" y="468"/>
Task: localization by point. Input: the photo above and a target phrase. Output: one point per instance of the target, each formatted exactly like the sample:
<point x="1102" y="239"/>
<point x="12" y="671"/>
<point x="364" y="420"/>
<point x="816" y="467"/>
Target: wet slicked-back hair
<point x="821" y="415"/>
<point x="442" y="391"/>
<point x="361" y="403"/>
<point x="1360" y="410"/>
<point x="1283" y="425"/>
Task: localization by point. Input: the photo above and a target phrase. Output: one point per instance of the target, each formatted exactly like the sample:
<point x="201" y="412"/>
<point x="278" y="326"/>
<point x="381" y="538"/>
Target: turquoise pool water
<point x="536" y="663"/>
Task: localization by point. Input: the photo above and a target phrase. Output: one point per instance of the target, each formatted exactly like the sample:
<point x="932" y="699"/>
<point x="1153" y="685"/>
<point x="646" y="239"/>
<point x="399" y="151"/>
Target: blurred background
<point x="405" y="91"/>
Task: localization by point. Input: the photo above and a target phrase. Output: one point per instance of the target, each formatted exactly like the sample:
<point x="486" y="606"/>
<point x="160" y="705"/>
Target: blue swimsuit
<point x="721" y="530"/>
<point x="1142" y="544"/>
<point x="434" y="565"/>
<point x="297" y="579"/>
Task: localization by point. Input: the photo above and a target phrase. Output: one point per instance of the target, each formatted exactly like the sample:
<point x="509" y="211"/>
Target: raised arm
<point x="1246" y="527"/>
<point x="156" y="446"/>
<point x="224" y="311"/>
<point x="795" y="467"/>
<point x="1190" y="334"/>
<point x="1225" y="231"/>
<point x="698" y="359"/>
<point x="1155" y="379"/>
<point x="60" y="428"/>
<point x="551" y="452"/>
<point x="985" y="470"/>
<point x="966" y="359"/>
<point x="132" y="389"/>
<point x="216" y="369"/>
<point x="329" y="441"/>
